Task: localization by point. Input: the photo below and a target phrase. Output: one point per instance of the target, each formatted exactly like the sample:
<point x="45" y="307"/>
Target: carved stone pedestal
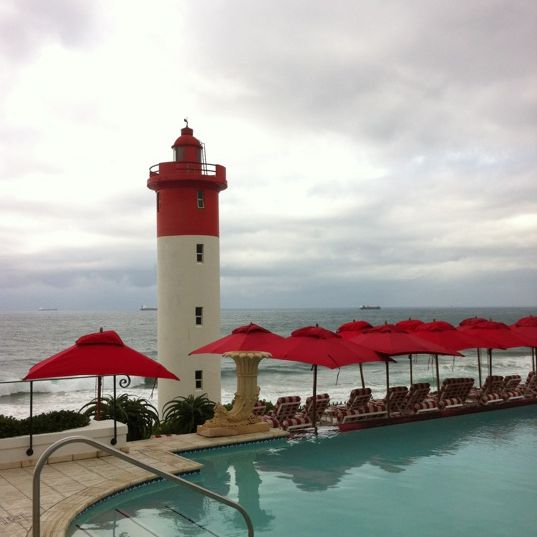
<point x="240" y="419"/>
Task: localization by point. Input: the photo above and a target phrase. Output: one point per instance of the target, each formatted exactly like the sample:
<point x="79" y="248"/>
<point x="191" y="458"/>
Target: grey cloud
<point x="431" y="74"/>
<point x="26" y="24"/>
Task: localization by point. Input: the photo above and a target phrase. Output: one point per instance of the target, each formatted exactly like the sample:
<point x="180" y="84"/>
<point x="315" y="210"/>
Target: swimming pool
<point x="471" y="475"/>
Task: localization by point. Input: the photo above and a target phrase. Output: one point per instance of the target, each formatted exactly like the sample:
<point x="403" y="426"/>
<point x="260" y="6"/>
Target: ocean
<point x="27" y="338"/>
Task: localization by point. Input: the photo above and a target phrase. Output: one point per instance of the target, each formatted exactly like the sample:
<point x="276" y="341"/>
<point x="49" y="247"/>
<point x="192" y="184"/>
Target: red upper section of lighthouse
<point x="187" y="189"/>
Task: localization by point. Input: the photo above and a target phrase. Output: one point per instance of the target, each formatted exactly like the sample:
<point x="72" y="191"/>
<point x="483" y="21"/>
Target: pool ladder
<point x="36" y="486"/>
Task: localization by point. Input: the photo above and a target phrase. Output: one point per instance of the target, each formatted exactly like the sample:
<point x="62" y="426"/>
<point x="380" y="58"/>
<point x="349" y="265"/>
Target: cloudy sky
<point x="377" y="152"/>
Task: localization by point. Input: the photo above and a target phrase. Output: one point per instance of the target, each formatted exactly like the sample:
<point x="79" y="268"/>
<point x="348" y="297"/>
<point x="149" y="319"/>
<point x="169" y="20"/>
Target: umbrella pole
<point x="114" y="440"/>
<point x="362" y="374"/>
<point x="534" y="358"/>
<point x="98" y="415"/>
<point x="437" y="373"/>
<point x="388" y="388"/>
<point x="490" y="361"/>
<point x="315" y="398"/>
<point x="30" y="450"/>
<point x="479" y="367"/>
<point x="410" y="362"/>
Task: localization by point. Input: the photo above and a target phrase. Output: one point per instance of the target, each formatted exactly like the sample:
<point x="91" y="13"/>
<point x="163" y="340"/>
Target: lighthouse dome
<point x="187" y="138"/>
<point x="187" y="148"/>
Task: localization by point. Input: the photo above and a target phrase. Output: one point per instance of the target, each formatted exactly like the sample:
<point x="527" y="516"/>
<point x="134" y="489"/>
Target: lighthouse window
<point x="198" y="376"/>
<point x="199" y="315"/>
<point x="199" y="253"/>
<point x="201" y="199"/>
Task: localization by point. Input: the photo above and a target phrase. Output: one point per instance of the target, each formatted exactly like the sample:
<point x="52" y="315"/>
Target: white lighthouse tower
<point x="188" y="273"/>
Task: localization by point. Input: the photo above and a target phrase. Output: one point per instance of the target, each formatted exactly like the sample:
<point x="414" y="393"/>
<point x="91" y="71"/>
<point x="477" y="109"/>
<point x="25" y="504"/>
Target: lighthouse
<point x="188" y="267"/>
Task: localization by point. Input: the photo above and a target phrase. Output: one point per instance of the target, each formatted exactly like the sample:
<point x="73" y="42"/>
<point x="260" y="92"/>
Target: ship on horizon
<point x="143" y="307"/>
<point x="369" y="307"/>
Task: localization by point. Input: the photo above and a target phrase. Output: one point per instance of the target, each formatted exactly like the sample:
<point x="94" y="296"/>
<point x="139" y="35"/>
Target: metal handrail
<point x="36" y="487"/>
<point x="187" y="166"/>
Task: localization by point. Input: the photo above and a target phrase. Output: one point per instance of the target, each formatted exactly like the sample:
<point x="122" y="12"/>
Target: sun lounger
<point x="304" y="419"/>
<point x="357" y="398"/>
<point x="260" y="408"/>
<point x="286" y="407"/>
<point x="417" y="394"/>
<point x="511" y="388"/>
<point x="491" y="392"/>
<point x="375" y="409"/>
<point x="530" y="386"/>
<point x="367" y="411"/>
<point x="397" y="397"/>
<point x="453" y="393"/>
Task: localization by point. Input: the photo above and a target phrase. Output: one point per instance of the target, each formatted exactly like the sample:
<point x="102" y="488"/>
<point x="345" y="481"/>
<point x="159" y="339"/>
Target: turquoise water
<point x="469" y="476"/>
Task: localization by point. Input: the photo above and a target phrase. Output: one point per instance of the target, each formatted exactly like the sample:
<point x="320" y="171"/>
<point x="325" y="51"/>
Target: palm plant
<point x="138" y="413"/>
<point x="182" y="415"/>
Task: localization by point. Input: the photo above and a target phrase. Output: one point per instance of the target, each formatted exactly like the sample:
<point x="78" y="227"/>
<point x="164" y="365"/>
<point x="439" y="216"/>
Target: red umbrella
<point x="318" y="346"/>
<point x="447" y="335"/>
<point x="472" y="320"/>
<point x="250" y="337"/>
<point x="354" y="326"/>
<point x="498" y="334"/>
<point x="394" y="341"/>
<point x="101" y="353"/>
<point x="527" y="328"/>
<point x="410" y="325"/>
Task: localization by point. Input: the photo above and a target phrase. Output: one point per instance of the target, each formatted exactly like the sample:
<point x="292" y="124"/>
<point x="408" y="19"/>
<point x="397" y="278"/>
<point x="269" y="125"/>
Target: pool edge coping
<point x="56" y="519"/>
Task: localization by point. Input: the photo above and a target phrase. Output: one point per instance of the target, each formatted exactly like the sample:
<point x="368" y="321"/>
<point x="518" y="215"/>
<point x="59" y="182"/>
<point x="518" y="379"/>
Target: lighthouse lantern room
<point x="188" y="267"/>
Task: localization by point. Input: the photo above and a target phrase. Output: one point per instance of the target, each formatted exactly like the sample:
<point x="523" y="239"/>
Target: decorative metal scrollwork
<point x="124" y="382"/>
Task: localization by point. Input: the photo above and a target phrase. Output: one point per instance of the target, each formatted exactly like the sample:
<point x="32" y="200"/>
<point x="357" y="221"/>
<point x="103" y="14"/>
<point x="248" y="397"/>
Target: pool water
<point x="471" y="475"/>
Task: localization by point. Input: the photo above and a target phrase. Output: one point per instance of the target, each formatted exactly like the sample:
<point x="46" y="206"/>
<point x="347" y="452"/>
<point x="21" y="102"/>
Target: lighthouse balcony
<point x="179" y="172"/>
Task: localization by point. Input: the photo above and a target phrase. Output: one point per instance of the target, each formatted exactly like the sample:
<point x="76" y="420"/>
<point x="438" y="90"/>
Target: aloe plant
<point x="182" y="415"/>
<point x="138" y="413"/>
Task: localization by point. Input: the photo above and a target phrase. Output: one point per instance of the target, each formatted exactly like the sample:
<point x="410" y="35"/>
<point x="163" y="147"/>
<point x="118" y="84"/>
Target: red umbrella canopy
<point x="445" y="334"/>
<point x="354" y="326"/>
<point x="393" y="341"/>
<point x="250" y="337"/>
<point x="472" y="320"/>
<point x="410" y="325"/>
<point x="101" y="353"/>
<point x="527" y="328"/>
<point x="499" y="334"/>
<point x="319" y="346"/>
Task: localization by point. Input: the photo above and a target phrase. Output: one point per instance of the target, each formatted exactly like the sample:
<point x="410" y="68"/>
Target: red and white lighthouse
<point x="188" y="273"/>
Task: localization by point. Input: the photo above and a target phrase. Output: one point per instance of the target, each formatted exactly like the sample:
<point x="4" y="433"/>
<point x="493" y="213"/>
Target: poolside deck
<point x="69" y="487"/>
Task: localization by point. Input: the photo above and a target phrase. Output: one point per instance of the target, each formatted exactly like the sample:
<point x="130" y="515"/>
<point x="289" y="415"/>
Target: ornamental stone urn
<point x="240" y="419"/>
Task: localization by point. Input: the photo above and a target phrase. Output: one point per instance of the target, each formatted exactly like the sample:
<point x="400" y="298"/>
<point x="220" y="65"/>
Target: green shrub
<point x="182" y="415"/>
<point x="10" y="426"/>
<point x="47" y="422"/>
<point x="138" y="413"/>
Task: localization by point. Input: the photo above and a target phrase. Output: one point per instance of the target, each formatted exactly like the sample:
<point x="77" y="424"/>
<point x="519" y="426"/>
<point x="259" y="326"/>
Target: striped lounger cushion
<point x="298" y="422"/>
<point x="428" y="404"/>
<point x="491" y="398"/>
<point x="345" y="415"/>
<point x="453" y="401"/>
